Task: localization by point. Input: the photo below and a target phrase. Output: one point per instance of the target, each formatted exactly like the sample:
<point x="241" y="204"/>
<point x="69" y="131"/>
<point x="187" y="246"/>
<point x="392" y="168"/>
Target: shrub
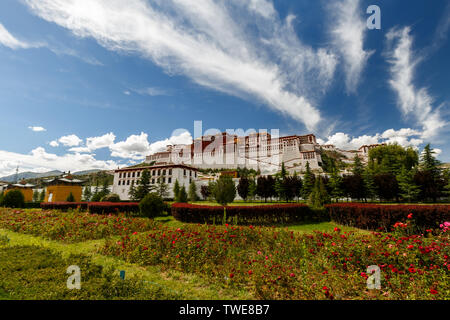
<point x="245" y="215"/>
<point x="374" y="217"/>
<point x="13" y="199"/>
<point x="112" y="197"/>
<point x="151" y="206"/>
<point x="224" y="190"/>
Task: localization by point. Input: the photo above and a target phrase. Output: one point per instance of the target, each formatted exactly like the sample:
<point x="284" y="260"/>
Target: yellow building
<point x="59" y="189"/>
<point x="25" y="188"/>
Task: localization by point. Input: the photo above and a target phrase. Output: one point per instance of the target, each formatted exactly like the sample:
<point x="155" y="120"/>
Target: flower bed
<point x="246" y="215"/>
<point x="383" y="217"/>
<point x="71" y="226"/>
<point x="274" y="264"/>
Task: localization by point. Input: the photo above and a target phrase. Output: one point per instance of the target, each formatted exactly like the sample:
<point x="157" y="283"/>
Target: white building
<point x="255" y="151"/>
<point x="169" y="173"/>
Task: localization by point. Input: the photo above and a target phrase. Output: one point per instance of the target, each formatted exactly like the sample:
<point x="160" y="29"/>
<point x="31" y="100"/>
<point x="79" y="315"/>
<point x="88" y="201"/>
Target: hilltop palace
<point x="259" y="151"/>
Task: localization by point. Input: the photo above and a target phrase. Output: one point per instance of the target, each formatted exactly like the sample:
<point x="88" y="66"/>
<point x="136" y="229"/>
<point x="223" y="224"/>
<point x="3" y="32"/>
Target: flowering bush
<point x="246" y="215"/>
<point x="383" y="217"/>
<point x="113" y="207"/>
<point x="64" y="206"/>
<point x="281" y="264"/>
<point x="71" y="226"/>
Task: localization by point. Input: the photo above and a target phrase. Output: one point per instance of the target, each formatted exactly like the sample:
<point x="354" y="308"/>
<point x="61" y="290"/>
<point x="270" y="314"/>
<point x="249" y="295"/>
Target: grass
<point x="187" y="286"/>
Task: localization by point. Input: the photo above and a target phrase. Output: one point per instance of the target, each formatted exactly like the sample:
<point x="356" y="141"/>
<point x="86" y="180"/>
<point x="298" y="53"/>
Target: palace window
<point x="169" y="180"/>
<point x="164" y="172"/>
<point x="119" y="183"/>
<point x="128" y="182"/>
<point x="170" y="172"/>
<point x="120" y="175"/>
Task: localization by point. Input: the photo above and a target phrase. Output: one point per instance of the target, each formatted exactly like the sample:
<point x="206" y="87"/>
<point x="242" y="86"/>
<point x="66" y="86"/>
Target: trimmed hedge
<point x="245" y="215"/>
<point x="94" y="207"/>
<point x="383" y="217"/>
<point x="113" y="207"/>
<point x="64" y="206"/>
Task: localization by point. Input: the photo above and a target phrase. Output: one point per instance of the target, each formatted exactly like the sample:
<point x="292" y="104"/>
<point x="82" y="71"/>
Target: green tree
<point x="391" y="158"/>
<point x="252" y="189"/>
<point x="243" y="187"/>
<point x="335" y="185"/>
<point x="358" y="167"/>
<point x="87" y="194"/>
<point x="42" y="195"/>
<point x="13" y="199"/>
<point x="132" y="191"/>
<point x="144" y="186"/>
<point x="182" y="195"/>
<point x="408" y="189"/>
<point x="105" y="188"/>
<point x="318" y="196"/>
<point x="308" y="182"/>
<point x="162" y="189"/>
<point x="176" y="191"/>
<point x="369" y="185"/>
<point x="192" y="193"/>
<point x="35" y="196"/>
<point x="70" y="198"/>
<point x="224" y="190"/>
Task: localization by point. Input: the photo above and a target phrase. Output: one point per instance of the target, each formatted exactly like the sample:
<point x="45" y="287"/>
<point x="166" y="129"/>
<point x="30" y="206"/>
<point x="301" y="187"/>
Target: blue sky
<point x="100" y="84"/>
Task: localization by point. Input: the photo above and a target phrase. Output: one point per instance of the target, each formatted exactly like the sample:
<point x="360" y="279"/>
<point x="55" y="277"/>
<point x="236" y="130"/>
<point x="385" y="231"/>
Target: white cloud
<point x="70" y="140"/>
<point x="403" y="137"/>
<point x="413" y="102"/>
<point x="39" y="159"/>
<point x="37" y="129"/>
<point x="126" y="92"/>
<point x="211" y="42"/>
<point x="8" y="40"/>
<point x="54" y="143"/>
<point x="152" y="91"/>
<point x="104" y="141"/>
<point x="137" y="146"/>
<point x="348" y="30"/>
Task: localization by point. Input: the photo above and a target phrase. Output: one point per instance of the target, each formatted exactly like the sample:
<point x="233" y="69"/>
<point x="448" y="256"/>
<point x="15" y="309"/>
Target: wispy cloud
<point x="348" y="29"/>
<point x="211" y="42"/>
<point x="37" y="128"/>
<point x="8" y="40"/>
<point x="152" y="91"/>
<point x="413" y="102"/>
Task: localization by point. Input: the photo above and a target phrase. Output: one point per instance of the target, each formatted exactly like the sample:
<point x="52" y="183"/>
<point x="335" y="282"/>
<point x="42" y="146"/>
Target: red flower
<point x="410" y="216"/>
<point x="433" y="291"/>
<point x="292" y="275"/>
<point x="250" y="272"/>
<point x="325" y="288"/>
<point x="231" y="275"/>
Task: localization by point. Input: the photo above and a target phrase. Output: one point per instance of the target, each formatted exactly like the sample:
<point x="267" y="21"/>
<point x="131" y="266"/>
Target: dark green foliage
<point x="176" y="191"/>
<point x="87" y="194"/>
<point x="70" y="198"/>
<point x="35" y="196"/>
<point x="249" y="215"/>
<point x="205" y="192"/>
<point x="408" y="189"/>
<point x="112" y="197"/>
<point x="335" y="185"/>
<point x="13" y="199"/>
<point x="224" y="190"/>
<point x="308" y="182"/>
<point x="42" y="195"/>
<point x="386" y="186"/>
<point x="151" y="206"/>
<point x="243" y="187"/>
<point x="391" y="158"/>
<point x="182" y="195"/>
<point x="318" y="196"/>
<point x="144" y="187"/>
<point x="192" y="192"/>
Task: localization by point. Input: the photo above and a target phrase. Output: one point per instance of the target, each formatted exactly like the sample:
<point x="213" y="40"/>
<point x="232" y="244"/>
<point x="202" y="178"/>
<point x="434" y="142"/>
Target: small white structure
<point x="169" y="173"/>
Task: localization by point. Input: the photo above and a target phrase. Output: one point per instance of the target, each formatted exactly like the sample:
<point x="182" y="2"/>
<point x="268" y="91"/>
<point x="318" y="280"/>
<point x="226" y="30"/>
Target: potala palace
<point x="259" y="151"/>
